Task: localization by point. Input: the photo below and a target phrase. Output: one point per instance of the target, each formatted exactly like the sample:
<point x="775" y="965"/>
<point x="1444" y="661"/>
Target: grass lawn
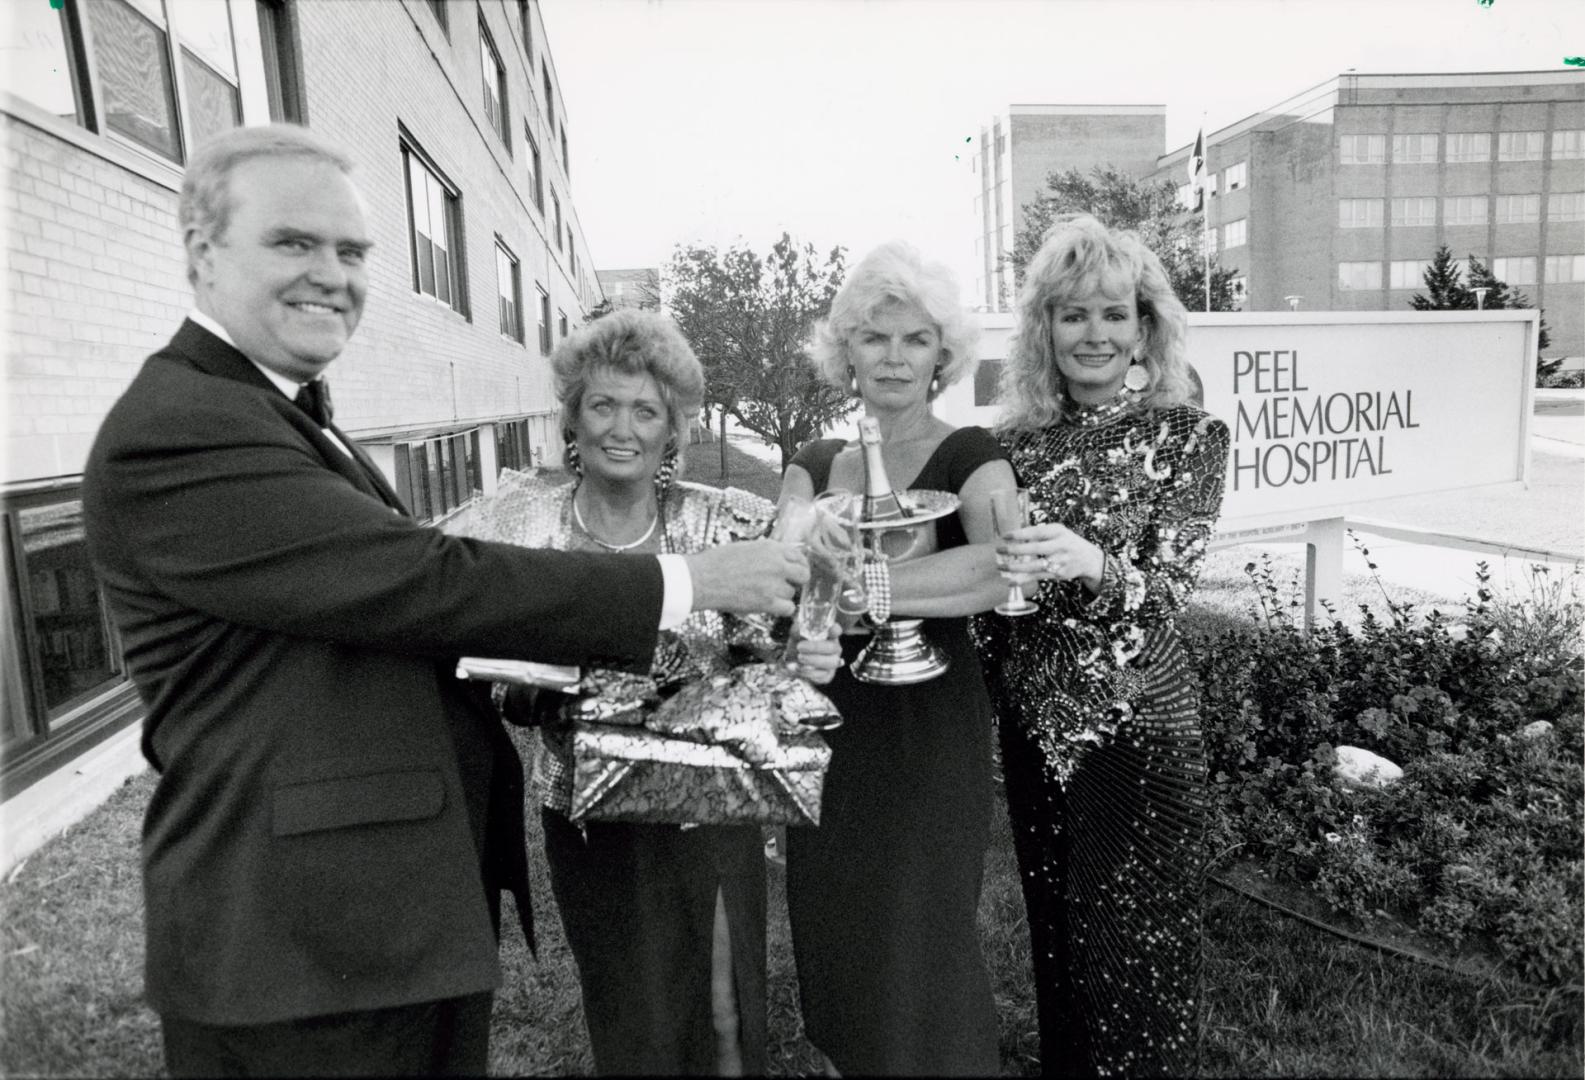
<point x="1281" y="998"/>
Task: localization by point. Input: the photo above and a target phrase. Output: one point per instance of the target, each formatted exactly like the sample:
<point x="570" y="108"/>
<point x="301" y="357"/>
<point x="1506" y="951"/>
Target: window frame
<point x="456" y="252"/>
<point x="1524" y="201"/>
<point x="1451" y="201"/>
<point x="550" y="94"/>
<point x="1400" y="143"/>
<point x="544" y="319"/>
<point x="50" y="735"/>
<point x="1229" y="184"/>
<point x="1399" y="212"/>
<point x="1394" y="276"/>
<point x="1349" y="213"/>
<point x="1506" y="260"/>
<point x="1575" y="263"/>
<point x="1228" y="243"/>
<point x="1373" y="155"/>
<point x="1535" y="139"/>
<point x="1555" y="204"/>
<point x="509" y="307"/>
<point x="1344" y="285"/>
<point x="446" y="488"/>
<point x="438" y="9"/>
<point x="555" y="201"/>
<point x="500" y="116"/>
<point x="1573" y="147"/>
<point x="1468" y="157"/>
<point x="525" y="22"/>
<point x="280" y="34"/>
<point x="536" y="166"/>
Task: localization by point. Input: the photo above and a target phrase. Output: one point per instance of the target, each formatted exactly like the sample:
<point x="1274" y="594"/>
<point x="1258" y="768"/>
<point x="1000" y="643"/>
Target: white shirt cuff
<point x="677" y="591"/>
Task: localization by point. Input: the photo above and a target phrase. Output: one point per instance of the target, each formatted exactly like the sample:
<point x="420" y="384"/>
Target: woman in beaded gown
<point x="883" y="895"/>
<point x="1096" y="706"/>
<point x="666" y="923"/>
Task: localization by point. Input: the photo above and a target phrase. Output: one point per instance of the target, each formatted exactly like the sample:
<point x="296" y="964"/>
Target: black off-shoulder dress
<point x="883" y="894"/>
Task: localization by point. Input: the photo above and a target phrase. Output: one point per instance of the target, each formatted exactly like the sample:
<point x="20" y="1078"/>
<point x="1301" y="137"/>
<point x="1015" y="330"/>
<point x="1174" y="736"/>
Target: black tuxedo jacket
<point x="336" y="815"/>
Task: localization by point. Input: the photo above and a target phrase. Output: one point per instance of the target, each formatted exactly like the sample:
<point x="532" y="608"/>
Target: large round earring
<point x="570" y="454"/>
<point x="935" y="383"/>
<point x="853" y="381"/>
<point x="1137" y="379"/>
<point x="666" y="471"/>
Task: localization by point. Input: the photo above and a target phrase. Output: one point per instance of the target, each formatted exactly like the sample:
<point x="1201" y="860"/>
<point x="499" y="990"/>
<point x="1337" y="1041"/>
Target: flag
<point x="1197" y="171"/>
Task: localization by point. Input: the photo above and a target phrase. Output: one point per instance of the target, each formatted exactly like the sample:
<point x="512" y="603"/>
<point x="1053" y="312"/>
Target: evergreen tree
<point x="1444" y="286"/>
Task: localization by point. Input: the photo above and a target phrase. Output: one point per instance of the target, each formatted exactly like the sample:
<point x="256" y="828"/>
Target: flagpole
<point x="1205" y="220"/>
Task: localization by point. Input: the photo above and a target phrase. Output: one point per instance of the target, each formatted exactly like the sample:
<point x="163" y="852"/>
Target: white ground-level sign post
<point x="1333" y="411"/>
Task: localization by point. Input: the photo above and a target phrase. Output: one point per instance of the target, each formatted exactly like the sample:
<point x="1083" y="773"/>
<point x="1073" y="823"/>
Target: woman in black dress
<point x="1101" y="745"/>
<point x="883" y="894"/>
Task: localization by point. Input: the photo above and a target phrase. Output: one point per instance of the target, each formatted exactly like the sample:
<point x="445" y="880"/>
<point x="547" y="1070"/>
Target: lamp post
<point x="1293" y="302"/>
<point x="1480" y="297"/>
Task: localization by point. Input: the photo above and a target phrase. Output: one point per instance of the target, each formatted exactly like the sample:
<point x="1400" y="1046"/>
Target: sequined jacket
<point x="534" y="509"/>
<point x="1145" y="486"/>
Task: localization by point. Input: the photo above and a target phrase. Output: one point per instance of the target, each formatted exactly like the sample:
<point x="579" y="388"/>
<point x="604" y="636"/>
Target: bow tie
<point x="313" y="398"/>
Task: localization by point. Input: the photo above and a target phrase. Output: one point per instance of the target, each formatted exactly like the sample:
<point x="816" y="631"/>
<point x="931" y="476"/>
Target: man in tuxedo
<point x="336" y="815"/>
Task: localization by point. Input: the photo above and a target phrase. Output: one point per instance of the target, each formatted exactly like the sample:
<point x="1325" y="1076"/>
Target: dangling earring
<point x="570" y="455"/>
<point x="853" y="381"/>
<point x="1137" y="379"/>
<point x="666" y="470"/>
<point x="935" y="383"/>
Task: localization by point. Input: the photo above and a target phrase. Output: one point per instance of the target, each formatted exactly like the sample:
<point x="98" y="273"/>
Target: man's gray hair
<point x="205" y="202"/>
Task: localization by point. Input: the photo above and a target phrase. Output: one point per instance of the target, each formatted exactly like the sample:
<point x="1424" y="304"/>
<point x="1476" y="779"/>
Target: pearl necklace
<point x="578" y="517"/>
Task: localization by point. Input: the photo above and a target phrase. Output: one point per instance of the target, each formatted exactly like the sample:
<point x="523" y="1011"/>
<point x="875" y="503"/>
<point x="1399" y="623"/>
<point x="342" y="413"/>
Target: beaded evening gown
<point x="1101" y="747"/>
<point x="882" y="896"/>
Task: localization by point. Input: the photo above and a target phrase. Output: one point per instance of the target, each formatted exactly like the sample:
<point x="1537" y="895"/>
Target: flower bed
<point x="1479" y="842"/>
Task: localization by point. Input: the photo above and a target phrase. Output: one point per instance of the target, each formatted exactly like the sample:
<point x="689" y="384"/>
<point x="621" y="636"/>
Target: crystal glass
<point x="1009" y="511"/>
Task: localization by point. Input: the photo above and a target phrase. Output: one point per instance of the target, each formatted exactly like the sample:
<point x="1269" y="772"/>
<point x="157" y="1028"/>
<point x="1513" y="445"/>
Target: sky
<point x="851" y="121"/>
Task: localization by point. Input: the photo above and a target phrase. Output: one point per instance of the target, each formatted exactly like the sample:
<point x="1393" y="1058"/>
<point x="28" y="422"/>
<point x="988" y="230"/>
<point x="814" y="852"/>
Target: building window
<point x="434" y="221"/>
<point x="1406" y="273"/>
<point x="1518" y="209"/>
<point x="544" y="320"/>
<point x="1359" y="213"/>
<point x="1352" y="276"/>
<point x="1362" y="149"/>
<point x="536" y="171"/>
<point x="59" y="652"/>
<point x="509" y="290"/>
<point x="1418" y="210"/>
<point x="1185" y="197"/>
<point x="561" y="325"/>
<point x="986" y="377"/>
<point x="435" y="477"/>
<point x="438" y="9"/>
<point x="1414" y="149"/>
<point x="1235" y="233"/>
<point x="1514" y="271"/>
<point x="512" y="447"/>
<point x="1464" y="210"/>
<point x="1236" y="176"/>
<point x="556" y="204"/>
<point x="283" y="62"/>
<point x="550" y="96"/>
<point x="136" y="55"/>
<point x="1561" y="268"/>
<point x="494" y="75"/>
<point x="525" y="19"/>
<point x="1519" y="145"/>
<point x="1568" y="144"/>
<point x="566" y="162"/>
<point x="1566" y="206"/>
<point x="1469" y="146"/>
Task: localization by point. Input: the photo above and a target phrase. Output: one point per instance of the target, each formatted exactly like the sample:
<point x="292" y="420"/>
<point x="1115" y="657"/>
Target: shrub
<point x="1562" y="380"/>
<point x="1481" y="837"/>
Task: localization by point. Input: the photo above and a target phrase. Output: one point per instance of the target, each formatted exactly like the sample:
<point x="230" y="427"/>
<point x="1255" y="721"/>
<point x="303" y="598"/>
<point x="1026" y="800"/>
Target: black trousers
<point x="449" y="1037"/>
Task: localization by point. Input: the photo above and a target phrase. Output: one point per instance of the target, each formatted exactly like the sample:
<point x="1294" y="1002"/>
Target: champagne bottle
<point x="880" y="501"/>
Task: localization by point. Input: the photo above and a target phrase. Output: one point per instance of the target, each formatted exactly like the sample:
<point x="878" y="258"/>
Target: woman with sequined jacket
<point x="666" y="923"/>
<point x="1101" y="746"/>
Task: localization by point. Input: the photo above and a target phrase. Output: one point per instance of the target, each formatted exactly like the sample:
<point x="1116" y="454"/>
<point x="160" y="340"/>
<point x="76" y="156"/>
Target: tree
<point x="1121" y="201"/>
<point x="748" y="319"/>
<point x="1448" y="289"/>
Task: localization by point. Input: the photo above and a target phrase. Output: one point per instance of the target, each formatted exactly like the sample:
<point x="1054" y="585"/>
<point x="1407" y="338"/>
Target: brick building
<point x="453" y="115"/>
<point x="637" y="287"/>
<point x="1340" y="195"/>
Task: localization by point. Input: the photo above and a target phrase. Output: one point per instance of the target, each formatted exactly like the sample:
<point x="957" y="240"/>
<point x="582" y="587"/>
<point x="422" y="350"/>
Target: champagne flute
<point x="1009" y="511"/>
<point x="831" y="538"/>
